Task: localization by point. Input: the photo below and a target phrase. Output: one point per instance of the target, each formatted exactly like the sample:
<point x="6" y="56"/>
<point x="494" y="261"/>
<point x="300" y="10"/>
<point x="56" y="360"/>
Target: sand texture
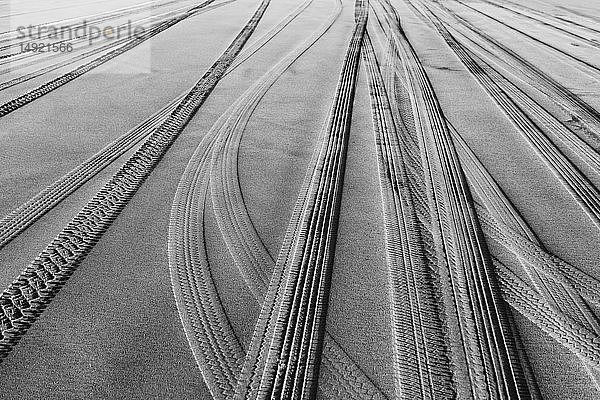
<point x="308" y="199"/>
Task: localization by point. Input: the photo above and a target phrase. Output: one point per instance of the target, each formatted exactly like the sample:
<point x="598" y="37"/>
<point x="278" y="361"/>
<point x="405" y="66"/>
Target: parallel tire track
<point x="567" y="32"/>
<point x="491" y="355"/>
<point x="285" y="352"/>
<point x="29" y="294"/>
<point x="14" y="42"/>
<point x="27" y="213"/>
<point x="557" y="18"/>
<point x="422" y="366"/>
<point x="78" y="57"/>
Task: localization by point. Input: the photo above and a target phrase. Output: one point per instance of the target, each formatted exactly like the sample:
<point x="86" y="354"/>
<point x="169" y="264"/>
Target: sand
<point x="119" y="326"/>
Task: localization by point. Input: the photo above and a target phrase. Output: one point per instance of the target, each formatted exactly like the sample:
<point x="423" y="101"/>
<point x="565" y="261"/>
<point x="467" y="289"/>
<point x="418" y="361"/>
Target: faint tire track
<point x="54" y="84"/>
<point x="78" y="57"/>
<point x="111" y="15"/>
<point x="591" y="69"/>
<point x="564" y="31"/>
<point x="580" y="110"/>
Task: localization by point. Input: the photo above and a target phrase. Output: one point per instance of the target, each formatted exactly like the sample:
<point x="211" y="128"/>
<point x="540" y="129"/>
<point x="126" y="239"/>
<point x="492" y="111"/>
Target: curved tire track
<point x="27" y="213"/>
<point x="502" y="223"/>
<point x="341" y="375"/>
<point x="244" y="244"/>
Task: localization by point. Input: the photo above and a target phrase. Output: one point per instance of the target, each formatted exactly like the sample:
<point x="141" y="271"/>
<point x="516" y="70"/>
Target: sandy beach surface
<point x="312" y="199"/>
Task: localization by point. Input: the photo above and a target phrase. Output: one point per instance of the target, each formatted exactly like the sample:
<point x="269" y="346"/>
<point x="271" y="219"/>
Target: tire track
<point x="15" y="41"/>
<point x="422" y="366"/>
<point x="79" y="57"/>
<point x="501" y="221"/>
<point x="47" y="87"/>
<point x="492" y="361"/>
<point x="579" y="13"/>
<point x="579" y="110"/>
<point x="550" y="265"/>
<point x="341" y="375"/>
<point x="18" y="61"/>
<point x="261" y="42"/>
<point x="285" y="353"/>
<point x="582" y="190"/>
<point x="247" y="249"/>
<point x="38" y="57"/>
<point x="26" y="298"/>
<point x="575" y="337"/>
<point x="590" y="42"/>
<point x="44" y="9"/>
<point x="593" y="70"/>
<point x="27" y="213"/>
<point x="91" y="17"/>
<point x="557" y="18"/>
<point x="212" y="340"/>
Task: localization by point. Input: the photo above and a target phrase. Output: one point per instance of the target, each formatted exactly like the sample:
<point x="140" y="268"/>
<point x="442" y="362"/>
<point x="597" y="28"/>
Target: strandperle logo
<point x="84" y="30"/>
